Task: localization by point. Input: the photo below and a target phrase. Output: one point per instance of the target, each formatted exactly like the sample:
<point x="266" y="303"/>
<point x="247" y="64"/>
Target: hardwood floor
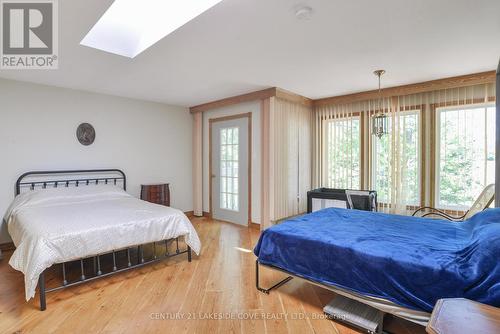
<point x="175" y="296"/>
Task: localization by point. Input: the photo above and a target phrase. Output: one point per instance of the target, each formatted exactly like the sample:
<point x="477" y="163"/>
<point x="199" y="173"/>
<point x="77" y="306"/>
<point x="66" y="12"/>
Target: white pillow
<point x="52" y="194"/>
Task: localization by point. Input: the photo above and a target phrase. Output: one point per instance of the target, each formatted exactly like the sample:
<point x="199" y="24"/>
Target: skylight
<point x="129" y="27"/>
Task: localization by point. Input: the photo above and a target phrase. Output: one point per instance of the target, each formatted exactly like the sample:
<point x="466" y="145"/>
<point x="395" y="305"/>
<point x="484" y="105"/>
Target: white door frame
<point x="210" y="173"/>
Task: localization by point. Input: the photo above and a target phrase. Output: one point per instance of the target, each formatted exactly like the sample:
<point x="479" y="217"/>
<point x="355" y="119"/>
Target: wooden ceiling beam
<point x="421" y="87"/>
<point x="292" y="97"/>
<point x="258" y="95"/>
<point x="253" y="96"/>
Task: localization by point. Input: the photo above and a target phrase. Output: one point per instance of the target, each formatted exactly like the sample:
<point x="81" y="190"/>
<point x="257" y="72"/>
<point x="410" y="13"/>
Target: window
<point x="400" y="157"/>
<point x="229" y="169"/>
<point x="465" y="161"/>
<point x="343" y="153"/>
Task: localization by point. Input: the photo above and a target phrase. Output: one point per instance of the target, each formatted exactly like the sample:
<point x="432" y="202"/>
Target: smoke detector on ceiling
<point x="303" y="12"/>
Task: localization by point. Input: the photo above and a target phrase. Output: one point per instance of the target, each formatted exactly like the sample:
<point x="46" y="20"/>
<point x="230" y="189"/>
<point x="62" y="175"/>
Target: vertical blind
<point x="396" y="158"/>
<point x="291" y="161"/>
<point x="464" y="124"/>
<point x="465" y="139"/>
<point x="405" y="166"/>
<point x="340" y="133"/>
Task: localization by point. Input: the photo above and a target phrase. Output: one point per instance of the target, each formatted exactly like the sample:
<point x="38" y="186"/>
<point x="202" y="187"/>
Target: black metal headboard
<point x="65" y="178"/>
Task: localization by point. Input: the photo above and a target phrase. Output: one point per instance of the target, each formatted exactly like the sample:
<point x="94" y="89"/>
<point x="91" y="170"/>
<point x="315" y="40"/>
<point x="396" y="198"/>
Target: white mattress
<point x="57" y="225"/>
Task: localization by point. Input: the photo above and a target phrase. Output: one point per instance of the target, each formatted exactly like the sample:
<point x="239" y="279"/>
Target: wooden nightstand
<point x="156" y="193"/>
<point x="459" y="315"/>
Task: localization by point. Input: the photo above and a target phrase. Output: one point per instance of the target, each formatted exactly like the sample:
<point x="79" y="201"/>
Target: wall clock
<point x="85" y="134"/>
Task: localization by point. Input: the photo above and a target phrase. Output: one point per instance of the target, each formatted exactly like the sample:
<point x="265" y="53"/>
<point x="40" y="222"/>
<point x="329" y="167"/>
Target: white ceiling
<point x="245" y="45"/>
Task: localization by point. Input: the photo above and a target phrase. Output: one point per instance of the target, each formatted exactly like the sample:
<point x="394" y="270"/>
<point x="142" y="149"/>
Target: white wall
<point x="151" y="142"/>
<point x="254" y="108"/>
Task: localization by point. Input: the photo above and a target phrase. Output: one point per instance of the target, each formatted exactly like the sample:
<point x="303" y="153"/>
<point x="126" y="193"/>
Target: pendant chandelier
<point x="380" y="125"/>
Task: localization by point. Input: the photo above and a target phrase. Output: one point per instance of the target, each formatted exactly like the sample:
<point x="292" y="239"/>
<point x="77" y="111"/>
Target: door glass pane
<point x="229" y="142"/>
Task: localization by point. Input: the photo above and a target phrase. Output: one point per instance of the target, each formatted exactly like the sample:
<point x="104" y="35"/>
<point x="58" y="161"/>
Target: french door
<point x="229" y="168"/>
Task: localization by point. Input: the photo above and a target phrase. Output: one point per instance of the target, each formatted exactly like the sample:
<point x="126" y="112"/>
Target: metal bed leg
<point x="114" y="261"/>
<point x="275" y="286"/>
<point x="41" y="285"/>
<point x="128" y="258"/>
<point x="142" y="254"/>
<point x="65" y="281"/>
<point x="189" y="254"/>
<point x="99" y="271"/>
<point x="83" y="271"/>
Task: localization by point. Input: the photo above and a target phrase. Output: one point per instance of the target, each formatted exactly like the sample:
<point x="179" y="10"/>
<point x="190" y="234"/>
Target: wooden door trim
<point x="211" y="121"/>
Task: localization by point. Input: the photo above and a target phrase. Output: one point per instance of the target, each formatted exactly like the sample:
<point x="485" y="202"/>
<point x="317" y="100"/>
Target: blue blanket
<point x="408" y="260"/>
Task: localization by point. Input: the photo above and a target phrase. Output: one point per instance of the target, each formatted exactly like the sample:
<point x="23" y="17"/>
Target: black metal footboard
<point x="97" y="270"/>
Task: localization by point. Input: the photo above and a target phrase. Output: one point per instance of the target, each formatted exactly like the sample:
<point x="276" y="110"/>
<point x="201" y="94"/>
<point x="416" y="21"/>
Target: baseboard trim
<point x="190" y="214"/>
<point x="254" y="225"/>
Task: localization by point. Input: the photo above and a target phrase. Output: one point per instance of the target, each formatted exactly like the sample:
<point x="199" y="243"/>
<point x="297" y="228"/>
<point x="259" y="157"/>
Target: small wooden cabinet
<point x="156" y="193"/>
<point x="459" y="315"/>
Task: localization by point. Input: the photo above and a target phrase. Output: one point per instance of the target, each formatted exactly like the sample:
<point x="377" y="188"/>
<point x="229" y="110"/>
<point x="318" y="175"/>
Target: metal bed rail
<point x="418" y="317"/>
<point x="97" y="268"/>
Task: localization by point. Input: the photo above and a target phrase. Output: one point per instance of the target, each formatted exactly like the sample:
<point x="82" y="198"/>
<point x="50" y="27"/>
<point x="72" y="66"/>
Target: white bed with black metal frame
<point x="62" y="218"/>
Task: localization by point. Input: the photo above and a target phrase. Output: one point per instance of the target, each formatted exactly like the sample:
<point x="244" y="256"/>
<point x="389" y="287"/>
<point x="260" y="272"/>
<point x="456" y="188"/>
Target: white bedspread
<point x="58" y="225"/>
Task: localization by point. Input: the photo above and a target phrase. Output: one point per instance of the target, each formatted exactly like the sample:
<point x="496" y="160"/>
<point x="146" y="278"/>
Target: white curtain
<point x="291" y="161"/>
<point x="198" y="164"/>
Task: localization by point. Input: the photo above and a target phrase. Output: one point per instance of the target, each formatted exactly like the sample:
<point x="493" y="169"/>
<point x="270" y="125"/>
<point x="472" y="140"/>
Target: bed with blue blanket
<point x="409" y="261"/>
